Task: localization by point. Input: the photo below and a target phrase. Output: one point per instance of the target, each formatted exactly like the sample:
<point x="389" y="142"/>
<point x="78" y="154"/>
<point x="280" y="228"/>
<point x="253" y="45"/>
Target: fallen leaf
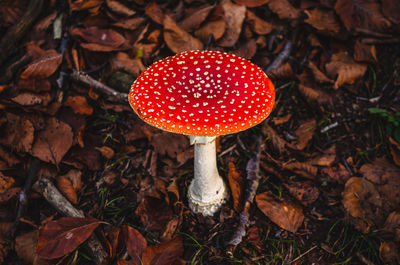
<point x="389" y="253"/>
<point x="8" y="157"/>
<point x="119" y="8"/>
<point x="18" y="133"/>
<point x="318" y="74"/>
<point x="60" y="237"/>
<point x="122" y="61"/>
<point x="395" y="150"/>
<point x="237" y="185"/>
<point x="304" y="133"/>
<point x="193" y="20"/>
<point x="313" y="94"/>
<point x="9" y="194"/>
<point x="30" y="99"/>
<point x="79" y="104"/>
<point x="386" y="176"/>
<point x="4" y="244"/>
<point x="44" y="66"/>
<point x="361" y="200"/>
<point x="305" y="192"/>
<point x="25" y="247"/>
<point x="234" y="16"/>
<point x="283" y="9"/>
<point x="53" y="142"/>
<point x="135" y="243"/>
<point x="364" y="53"/>
<point x="251" y="3"/>
<point x="170" y="144"/>
<point x="324" y="20"/>
<point x="130" y="23"/>
<point x="165" y="253"/>
<point x="155" y="13"/>
<point x="45" y="23"/>
<point x="5" y="182"/>
<point x="337" y="174"/>
<point x="69" y="184"/>
<point x="326" y="159"/>
<point x="392" y="225"/>
<point x="177" y="39"/>
<point x="278" y="142"/>
<point x="304" y="169"/>
<point x="34" y="84"/>
<point x="154" y="213"/>
<point x="257" y="24"/>
<point x="284" y="71"/>
<point x="85" y="4"/>
<point x="96" y="39"/>
<point x="391" y="10"/>
<point x="216" y="28"/>
<point x="282" y="212"/>
<point x="106" y="151"/>
<point x="281" y="120"/>
<point x="345" y="69"/>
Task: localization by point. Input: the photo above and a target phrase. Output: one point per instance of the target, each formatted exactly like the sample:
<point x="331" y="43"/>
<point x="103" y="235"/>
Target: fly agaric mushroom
<point x="203" y="94"/>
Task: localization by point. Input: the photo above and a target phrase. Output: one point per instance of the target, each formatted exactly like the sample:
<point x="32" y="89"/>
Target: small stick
<point x="45" y="187"/>
<point x="112" y="94"/>
<point x="302" y="255"/>
<point x="253" y="177"/>
<point x="282" y="56"/>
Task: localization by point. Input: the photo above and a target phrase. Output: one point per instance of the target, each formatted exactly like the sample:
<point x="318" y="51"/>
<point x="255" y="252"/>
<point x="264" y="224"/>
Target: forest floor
<point x="83" y="180"/>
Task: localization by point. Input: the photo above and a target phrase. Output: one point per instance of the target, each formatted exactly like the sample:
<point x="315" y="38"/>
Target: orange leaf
<point x="106" y="151"/>
<point x="5" y="183"/>
<point x="283" y="9"/>
<point x="323" y="20"/>
<point x="258" y="25"/>
<point x="216" y="28"/>
<point x="236" y="183"/>
<point x="251" y="3"/>
<point x="165" y="253"/>
<point x="135" y="243"/>
<point x="79" y="105"/>
<point x="60" y="237"/>
<point x="66" y="188"/>
<point x="44" y="66"/>
<point x="119" y="8"/>
<point x="285" y="214"/>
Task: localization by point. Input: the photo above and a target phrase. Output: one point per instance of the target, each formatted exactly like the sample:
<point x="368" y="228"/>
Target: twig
<point x="8" y="44"/>
<point x="45" y="187"/>
<point x="282" y="56"/>
<point x="329" y="127"/>
<point x="302" y="255"/>
<point x="253" y="177"/>
<point x="112" y="94"/>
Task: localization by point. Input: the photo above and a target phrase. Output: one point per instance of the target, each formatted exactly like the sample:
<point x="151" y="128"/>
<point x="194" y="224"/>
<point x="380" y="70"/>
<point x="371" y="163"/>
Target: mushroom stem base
<point x="207" y="191"/>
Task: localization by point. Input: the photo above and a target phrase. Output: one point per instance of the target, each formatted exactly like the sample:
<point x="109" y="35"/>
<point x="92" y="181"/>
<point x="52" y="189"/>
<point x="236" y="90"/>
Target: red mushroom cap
<point x="203" y="93"/>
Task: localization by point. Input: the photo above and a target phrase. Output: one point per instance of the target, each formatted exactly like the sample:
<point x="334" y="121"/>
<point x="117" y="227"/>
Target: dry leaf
<point x="60" y="237"/>
<point x="25" y="245"/>
<point x="392" y="225"/>
<point x="216" y="28"/>
<point x="35" y="85"/>
<point x="281" y="120"/>
<point x="44" y="66"/>
<point x="169" y="143"/>
<point x="119" y="8"/>
<point x="155" y="13"/>
<point x="5" y="183"/>
<point x="395" y="150"/>
<point x="313" y="94"/>
<point x="339" y="175"/>
<point x="346" y="70"/>
<point x="9" y="194"/>
<point x="135" y="243"/>
<point x="79" y="104"/>
<point x="234" y="16"/>
<point x="8" y="157"/>
<point x="283" y="9"/>
<point x="53" y="142"/>
<point x="258" y="25"/>
<point x="69" y="184"/>
<point x="361" y="200"/>
<point x="85" y="4"/>
<point x="304" y="169"/>
<point x="237" y="185"/>
<point x="96" y="39"/>
<point x="30" y="99"/>
<point x="364" y="53"/>
<point x="326" y="159"/>
<point x="304" y="133"/>
<point x="278" y="142"/>
<point x="106" y="151"/>
<point x="177" y="39"/>
<point x="154" y="213"/>
<point x="318" y="74"/>
<point x="251" y="3"/>
<point x="193" y="20"/>
<point x="389" y="253"/>
<point x="130" y="23"/>
<point x="282" y="212"/>
<point x="324" y="20"/>
<point x="165" y="253"/>
<point x="18" y="133"/>
<point x="122" y="61"/>
<point x="391" y="10"/>
<point x="305" y="192"/>
<point x="284" y="71"/>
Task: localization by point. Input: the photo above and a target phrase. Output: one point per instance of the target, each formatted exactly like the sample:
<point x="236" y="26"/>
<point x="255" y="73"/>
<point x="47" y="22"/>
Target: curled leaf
<point x="44" y="66"/>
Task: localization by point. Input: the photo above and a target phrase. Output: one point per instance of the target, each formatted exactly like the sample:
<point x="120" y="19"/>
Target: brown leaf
<point x="101" y="40"/>
<point x="165" y="253"/>
<point x="25" y="247"/>
<point x="278" y="142"/>
<point x="169" y="143"/>
<point x="79" y="104"/>
<point x="326" y="159"/>
<point x="18" y="133"/>
<point x="284" y="71"/>
<point x="9" y="194"/>
<point x="216" y="28"/>
<point x="281" y="120"/>
<point x="389" y="253"/>
<point x="234" y="16"/>
<point x="305" y="192"/>
<point x="304" y="169"/>
<point x="35" y="85"/>
<point x="283" y="9"/>
<point x="364" y="53"/>
<point x="69" y="184"/>
<point x="122" y="61"/>
<point x="324" y="20"/>
<point x="119" y="8"/>
<point x="237" y="185"/>
<point x="246" y="50"/>
<point x="387" y="178"/>
<point x="60" y="237"/>
<point x="282" y="212"/>
<point x="44" y="66"/>
<point x="5" y="183"/>
<point x="53" y="142"/>
<point x="346" y="70"/>
<point x="318" y="74"/>
<point x="155" y="13"/>
<point x="177" y="39"/>
<point x="85" y="4"/>
<point x="339" y="175"/>
<point x="392" y="225"/>
<point x="258" y="25"/>
<point x="135" y="243"/>
<point x="106" y="151"/>
<point x="193" y="20"/>
<point x="8" y="157"/>
<point x="154" y="213"/>
<point x="391" y="9"/>
<point x="313" y="94"/>
<point x="30" y="99"/>
<point x="305" y="133"/>
<point x="251" y="3"/>
<point x="361" y="199"/>
<point x="395" y="150"/>
<point x="130" y="23"/>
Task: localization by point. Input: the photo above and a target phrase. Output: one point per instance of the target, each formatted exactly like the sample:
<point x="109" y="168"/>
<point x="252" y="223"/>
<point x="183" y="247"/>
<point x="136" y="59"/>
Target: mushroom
<point x="203" y="94"/>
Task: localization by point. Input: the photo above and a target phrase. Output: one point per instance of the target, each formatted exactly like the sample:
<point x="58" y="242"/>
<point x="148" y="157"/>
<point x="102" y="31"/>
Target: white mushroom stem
<point x="207" y="191"/>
